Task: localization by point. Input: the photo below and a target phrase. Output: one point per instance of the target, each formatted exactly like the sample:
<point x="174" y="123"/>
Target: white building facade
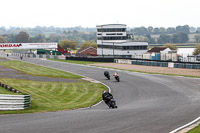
<point x="112" y="39"/>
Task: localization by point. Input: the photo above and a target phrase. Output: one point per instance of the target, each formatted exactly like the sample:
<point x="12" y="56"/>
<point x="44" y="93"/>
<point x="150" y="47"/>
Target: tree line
<point x="23" y="37"/>
<point x="79" y="34"/>
<point x="64" y="42"/>
<point x="142" y="31"/>
<point x="49" y="34"/>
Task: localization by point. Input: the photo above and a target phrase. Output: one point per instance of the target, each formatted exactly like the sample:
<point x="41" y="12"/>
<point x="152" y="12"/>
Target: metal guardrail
<point x="14" y="102"/>
<point x="157" y="63"/>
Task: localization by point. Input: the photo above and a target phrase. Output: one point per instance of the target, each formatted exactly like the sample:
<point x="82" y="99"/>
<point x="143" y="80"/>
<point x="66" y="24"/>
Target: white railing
<point x="14" y="102"/>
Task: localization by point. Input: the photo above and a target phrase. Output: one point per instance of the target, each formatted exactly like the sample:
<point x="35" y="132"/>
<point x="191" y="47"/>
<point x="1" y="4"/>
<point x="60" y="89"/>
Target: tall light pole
<point x="113" y="49"/>
<point x="102" y="39"/>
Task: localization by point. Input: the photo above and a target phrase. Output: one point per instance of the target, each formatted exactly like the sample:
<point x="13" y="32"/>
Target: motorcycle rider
<point x="106" y="73"/>
<point x="116" y="74"/>
<point x="107" y="97"/>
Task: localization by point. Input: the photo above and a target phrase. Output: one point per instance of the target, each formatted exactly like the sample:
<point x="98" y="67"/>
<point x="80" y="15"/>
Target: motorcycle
<point x="117" y="78"/>
<point x="107" y="75"/>
<point x="111" y="103"/>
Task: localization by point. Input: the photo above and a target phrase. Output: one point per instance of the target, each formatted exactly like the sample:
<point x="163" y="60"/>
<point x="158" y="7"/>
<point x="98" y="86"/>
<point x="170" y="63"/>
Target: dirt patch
<point x="153" y="69"/>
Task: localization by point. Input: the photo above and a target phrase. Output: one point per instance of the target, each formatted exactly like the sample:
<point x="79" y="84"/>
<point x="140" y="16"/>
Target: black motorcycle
<point x="107" y="75"/>
<point x="117" y="78"/>
<point x="111" y="103"/>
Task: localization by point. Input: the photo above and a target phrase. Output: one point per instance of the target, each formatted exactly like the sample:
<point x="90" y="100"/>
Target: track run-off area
<point x="147" y="103"/>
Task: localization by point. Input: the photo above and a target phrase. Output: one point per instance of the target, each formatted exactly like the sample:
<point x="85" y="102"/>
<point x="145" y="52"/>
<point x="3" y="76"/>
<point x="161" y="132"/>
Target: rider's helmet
<point x="104" y="91"/>
<point x="106" y="73"/>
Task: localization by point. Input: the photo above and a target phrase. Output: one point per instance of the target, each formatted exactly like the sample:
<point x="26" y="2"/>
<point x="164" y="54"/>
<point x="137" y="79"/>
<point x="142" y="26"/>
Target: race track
<point x="146" y="104"/>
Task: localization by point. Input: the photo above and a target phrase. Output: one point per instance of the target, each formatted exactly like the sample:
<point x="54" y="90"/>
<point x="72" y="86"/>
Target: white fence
<point x="159" y="63"/>
<point x="14" y="102"/>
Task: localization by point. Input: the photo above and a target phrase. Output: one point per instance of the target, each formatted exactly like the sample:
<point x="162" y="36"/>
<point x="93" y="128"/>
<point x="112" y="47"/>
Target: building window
<point x="112" y="30"/>
<point x="123" y="47"/>
<point x="110" y="33"/>
<point x="115" y="38"/>
<point x="99" y="30"/>
<point x="99" y="38"/>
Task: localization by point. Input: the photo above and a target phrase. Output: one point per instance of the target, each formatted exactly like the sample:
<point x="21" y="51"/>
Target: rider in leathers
<point x="107" y="97"/>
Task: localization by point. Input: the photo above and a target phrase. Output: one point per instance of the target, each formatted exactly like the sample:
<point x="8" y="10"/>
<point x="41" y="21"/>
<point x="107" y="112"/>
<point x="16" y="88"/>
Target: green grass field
<point x="195" y="130"/>
<point x="4" y="91"/>
<point x="54" y="96"/>
<point x="37" y="70"/>
<point x="51" y="96"/>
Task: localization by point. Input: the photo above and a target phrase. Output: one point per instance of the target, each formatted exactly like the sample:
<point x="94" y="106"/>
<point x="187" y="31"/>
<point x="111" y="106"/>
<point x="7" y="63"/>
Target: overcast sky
<point x="89" y="13"/>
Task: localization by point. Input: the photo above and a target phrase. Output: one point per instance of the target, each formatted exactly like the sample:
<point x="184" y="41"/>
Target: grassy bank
<point x="37" y="70"/>
<point x="54" y="96"/>
<point x="195" y="130"/>
<point x="4" y="91"/>
<point x="51" y="96"/>
<point x="149" y="72"/>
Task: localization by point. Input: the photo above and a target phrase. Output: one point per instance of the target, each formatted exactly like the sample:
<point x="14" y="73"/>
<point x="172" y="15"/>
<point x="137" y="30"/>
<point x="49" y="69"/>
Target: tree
<point x="23" y="37"/>
<point x="180" y="37"/>
<point x="150" y="39"/>
<point x="39" y="38"/>
<point x="175" y="38"/>
<point x="171" y="30"/>
<point x="171" y="46"/>
<point x="183" y="37"/>
<point x="198" y="30"/>
<point x="197" y="50"/>
<point x="141" y="39"/>
<point x="162" y="30"/>
<point x="11" y="38"/>
<point x="156" y="30"/>
<point x="140" y="31"/>
<point x="184" y="29"/>
<point x="3" y="39"/>
<point x="88" y="44"/>
<point x="68" y="44"/>
<point x="150" y="29"/>
<point x="197" y="38"/>
<point x="53" y="38"/>
<point x="193" y="29"/>
<point x="163" y="38"/>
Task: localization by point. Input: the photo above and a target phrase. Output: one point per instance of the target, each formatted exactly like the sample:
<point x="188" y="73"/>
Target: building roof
<point x="110" y="24"/>
<point x="84" y="49"/>
<point x="156" y="49"/>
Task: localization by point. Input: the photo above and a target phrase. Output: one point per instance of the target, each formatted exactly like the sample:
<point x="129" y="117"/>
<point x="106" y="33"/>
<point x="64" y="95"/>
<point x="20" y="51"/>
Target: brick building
<point x="88" y="51"/>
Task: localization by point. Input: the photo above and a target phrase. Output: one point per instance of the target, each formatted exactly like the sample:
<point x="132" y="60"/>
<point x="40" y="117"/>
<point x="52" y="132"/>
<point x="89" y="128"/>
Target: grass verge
<point x="37" y="70"/>
<point x="195" y="130"/>
<point x="5" y="91"/>
<point x="74" y="61"/>
<point x="89" y="63"/>
<point x="54" y="96"/>
<point x="150" y="72"/>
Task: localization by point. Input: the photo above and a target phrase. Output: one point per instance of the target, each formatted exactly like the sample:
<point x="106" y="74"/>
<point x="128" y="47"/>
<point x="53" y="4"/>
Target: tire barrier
<point x="149" y="63"/>
<point x="159" y="63"/>
<point x="14" y="102"/>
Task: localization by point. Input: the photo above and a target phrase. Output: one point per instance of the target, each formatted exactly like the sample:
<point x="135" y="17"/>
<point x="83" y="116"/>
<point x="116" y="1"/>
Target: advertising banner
<point x="28" y="45"/>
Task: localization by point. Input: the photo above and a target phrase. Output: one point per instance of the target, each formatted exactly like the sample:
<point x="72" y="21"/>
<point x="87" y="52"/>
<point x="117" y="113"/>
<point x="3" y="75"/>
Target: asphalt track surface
<point x="146" y="104"/>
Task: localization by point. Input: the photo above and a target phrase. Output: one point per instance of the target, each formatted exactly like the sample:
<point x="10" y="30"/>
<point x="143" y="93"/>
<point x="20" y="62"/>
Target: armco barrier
<point x="14" y="102"/>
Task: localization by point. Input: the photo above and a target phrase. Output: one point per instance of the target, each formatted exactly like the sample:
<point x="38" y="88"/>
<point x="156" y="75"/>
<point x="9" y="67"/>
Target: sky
<point x="89" y="13"/>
